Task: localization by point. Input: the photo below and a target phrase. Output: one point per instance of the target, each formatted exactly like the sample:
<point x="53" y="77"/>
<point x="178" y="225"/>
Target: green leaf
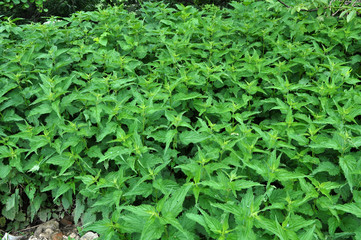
<point x="79" y="210"/>
<point x="187" y="137"/>
<point x="142" y="210"/>
<point x="141" y="51"/>
<point x="198" y="219"/>
<point x="11" y="116"/>
<point x="326" y="166"/>
<point x="333" y="224"/>
<point x="309" y="234"/>
<point x="103" y="39"/>
<point x="188" y="96"/>
<point x="132" y="223"/>
<point x="175" y="223"/>
<point x="174" y="205"/>
<point x="61" y="190"/>
<point x="284" y="175"/>
<point x="113" y="153"/>
<point x="103" y="227"/>
<point x="37" y="142"/>
<point x="10" y="203"/>
<point x="142" y="189"/>
<point x="44" y="108"/>
<point x="108" y="129"/>
<point x="244" y="184"/>
<point x="35" y="206"/>
<point x="7" y="87"/>
<point x="212" y="223"/>
<point x="348" y="164"/>
<point x="87" y="179"/>
<point x="353" y="208"/>
<point x="351" y="15"/>
<point x="272" y="226"/>
<point x="169" y="138"/>
<point x="230" y="208"/>
<point x="4" y="170"/>
<point x="297" y="222"/>
<point x="62" y="160"/>
<point x="152" y="229"/>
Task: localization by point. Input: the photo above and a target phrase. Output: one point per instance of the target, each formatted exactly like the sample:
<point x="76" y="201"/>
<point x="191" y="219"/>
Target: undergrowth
<point x="239" y="123"/>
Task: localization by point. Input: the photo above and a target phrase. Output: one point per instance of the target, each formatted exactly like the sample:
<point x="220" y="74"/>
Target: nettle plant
<point x="239" y="123"/>
<point x="335" y="8"/>
<point x="24" y="4"/>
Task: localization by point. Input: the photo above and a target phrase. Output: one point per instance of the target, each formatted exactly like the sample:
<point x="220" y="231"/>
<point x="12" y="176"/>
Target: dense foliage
<point x="37" y="10"/>
<point x="239" y="123"/>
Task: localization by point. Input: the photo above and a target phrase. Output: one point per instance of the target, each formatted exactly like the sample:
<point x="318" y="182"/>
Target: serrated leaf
<point x="44" y="108"/>
<point x="329" y="167"/>
<point x="86" y="179"/>
<point x="35" y="206"/>
<point x="188" y="96"/>
<point x="351" y="15"/>
<point x="141" y="51"/>
<point x="4" y="170"/>
<point x="333" y="223"/>
<point x="348" y="164"/>
<point x="309" y="234"/>
<point x="175" y="223"/>
<point x="79" y="210"/>
<point x="169" y="138"/>
<point x="212" y="223"/>
<point x="6" y="88"/>
<point x="272" y="226"/>
<point x="37" y="142"/>
<point x="174" y="205"/>
<point x="353" y="208"/>
<point x="10" y="202"/>
<point x="198" y="219"/>
<point x="108" y="129"/>
<point x="11" y="116"/>
<point x="102" y="227"/>
<point x="284" y="175"/>
<point x="61" y="160"/>
<point x="142" y="210"/>
<point x="152" y="229"/>
<point x="61" y="190"/>
<point x="187" y="137"/>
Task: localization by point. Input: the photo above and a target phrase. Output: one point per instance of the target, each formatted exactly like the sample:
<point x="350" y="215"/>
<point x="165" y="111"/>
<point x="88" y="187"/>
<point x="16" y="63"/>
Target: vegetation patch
<point x="239" y="123"/>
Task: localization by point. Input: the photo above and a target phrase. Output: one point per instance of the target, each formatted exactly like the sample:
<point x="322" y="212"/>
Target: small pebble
<point x="89" y="236"/>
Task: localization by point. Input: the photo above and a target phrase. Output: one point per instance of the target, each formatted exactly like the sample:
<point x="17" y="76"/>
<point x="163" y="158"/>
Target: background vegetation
<point x="38" y="10"/>
<point x="185" y="123"/>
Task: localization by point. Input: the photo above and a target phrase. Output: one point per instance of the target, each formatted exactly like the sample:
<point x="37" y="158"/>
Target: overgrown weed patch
<point x="184" y="124"/>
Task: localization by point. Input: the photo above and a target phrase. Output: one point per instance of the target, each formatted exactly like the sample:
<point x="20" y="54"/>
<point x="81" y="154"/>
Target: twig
<point x="28" y="228"/>
<point x="343" y="3"/>
<point x="284" y="4"/>
<point x="304" y="10"/>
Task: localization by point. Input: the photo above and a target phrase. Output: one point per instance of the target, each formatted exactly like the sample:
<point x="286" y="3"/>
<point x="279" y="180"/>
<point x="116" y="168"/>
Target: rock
<point x="11" y="237"/>
<point x="46" y="229"/>
<point x="51" y="230"/>
<point x="89" y="236"/>
<point x="57" y="236"/>
<point x="74" y="236"/>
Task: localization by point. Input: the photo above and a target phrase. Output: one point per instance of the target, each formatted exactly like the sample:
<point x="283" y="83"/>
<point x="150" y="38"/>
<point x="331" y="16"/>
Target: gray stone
<point x="89" y="236"/>
<point x="11" y="237"/>
<point x="50" y="231"/>
<point x="46" y="229"/>
<point x="74" y="236"/>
